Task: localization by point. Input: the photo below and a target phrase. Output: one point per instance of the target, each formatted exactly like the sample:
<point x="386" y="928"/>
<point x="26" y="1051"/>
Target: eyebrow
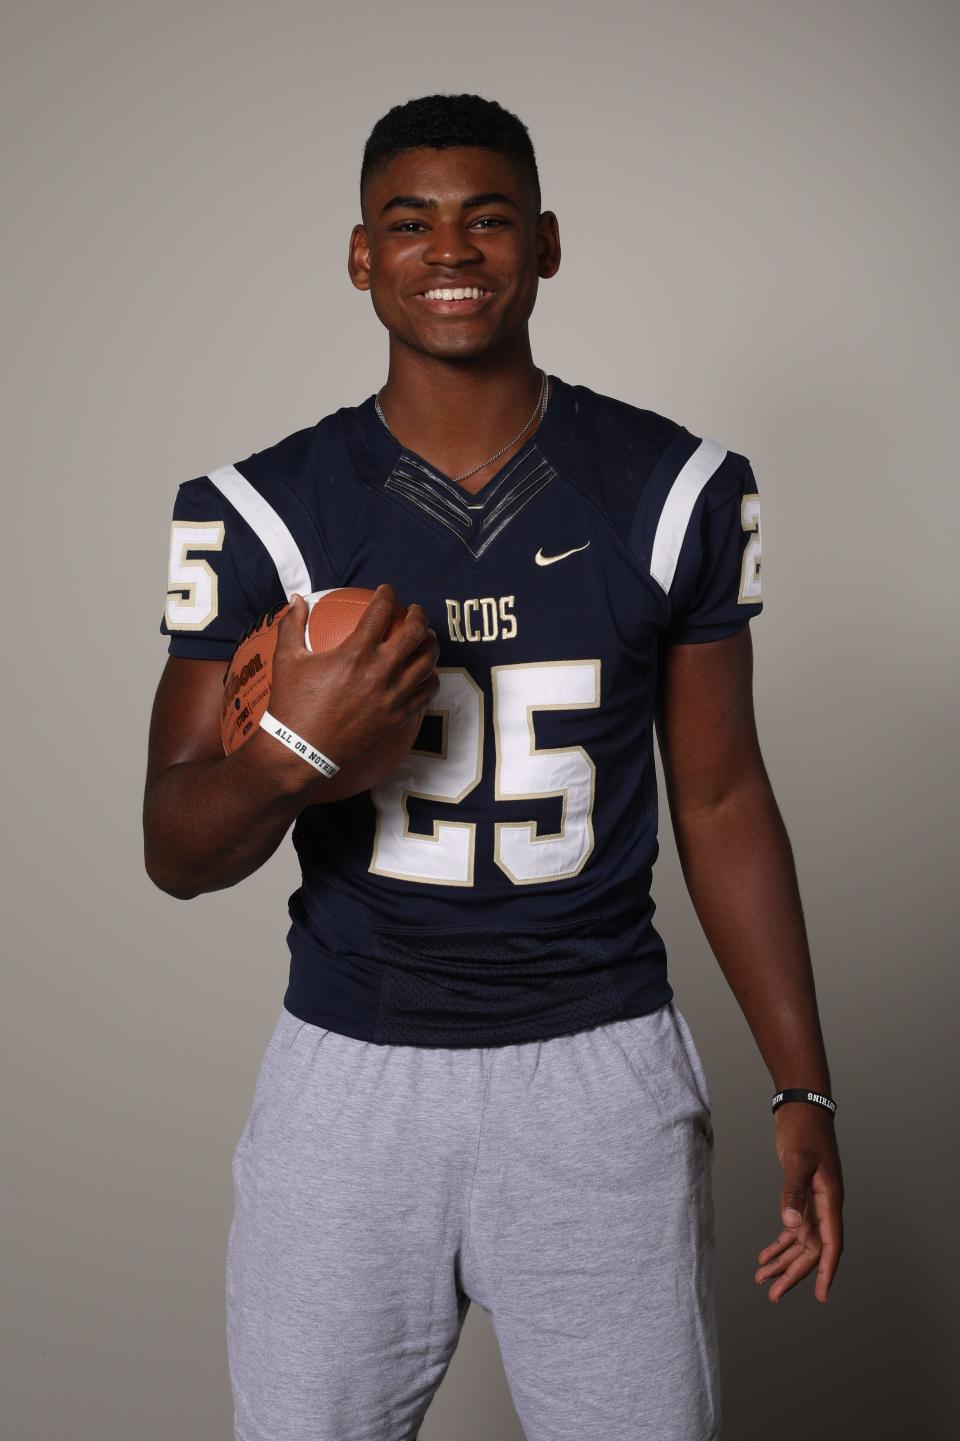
<point x="422" y="202"/>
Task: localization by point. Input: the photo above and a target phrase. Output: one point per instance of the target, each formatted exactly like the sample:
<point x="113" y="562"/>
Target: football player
<point x="480" y="1086"/>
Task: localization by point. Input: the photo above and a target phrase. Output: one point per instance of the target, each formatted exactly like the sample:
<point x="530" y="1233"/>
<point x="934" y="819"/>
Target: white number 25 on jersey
<point x="524" y="771"/>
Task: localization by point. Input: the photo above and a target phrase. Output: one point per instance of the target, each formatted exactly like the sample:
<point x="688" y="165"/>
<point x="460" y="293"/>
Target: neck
<point x="456" y="413"/>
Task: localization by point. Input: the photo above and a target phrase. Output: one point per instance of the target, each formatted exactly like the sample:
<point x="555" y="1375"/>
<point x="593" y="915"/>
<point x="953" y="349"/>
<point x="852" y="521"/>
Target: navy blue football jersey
<point x="494" y="889"/>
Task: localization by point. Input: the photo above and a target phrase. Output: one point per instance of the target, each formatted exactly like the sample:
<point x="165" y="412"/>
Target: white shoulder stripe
<point x="678" y="507"/>
<point x="263" y="519"/>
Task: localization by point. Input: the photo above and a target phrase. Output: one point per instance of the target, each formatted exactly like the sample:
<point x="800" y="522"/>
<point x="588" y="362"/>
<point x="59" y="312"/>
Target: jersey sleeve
<point x="219" y="577"/>
<point x="716" y="588"/>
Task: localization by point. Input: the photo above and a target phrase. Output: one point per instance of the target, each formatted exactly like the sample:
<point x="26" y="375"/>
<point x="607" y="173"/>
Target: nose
<point x="451" y="244"/>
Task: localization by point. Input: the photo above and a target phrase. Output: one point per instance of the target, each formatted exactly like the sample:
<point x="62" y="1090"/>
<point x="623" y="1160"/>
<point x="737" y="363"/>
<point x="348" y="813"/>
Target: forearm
<point x="739" y="870"/>
<point x="208" y="824"/>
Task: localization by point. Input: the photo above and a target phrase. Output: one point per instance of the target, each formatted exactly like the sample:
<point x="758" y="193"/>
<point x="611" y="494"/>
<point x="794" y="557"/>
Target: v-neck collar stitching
<point x="482" y="497"/>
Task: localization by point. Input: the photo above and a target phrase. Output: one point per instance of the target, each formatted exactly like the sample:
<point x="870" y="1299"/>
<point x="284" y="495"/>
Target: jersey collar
<point x="375" y="452"/>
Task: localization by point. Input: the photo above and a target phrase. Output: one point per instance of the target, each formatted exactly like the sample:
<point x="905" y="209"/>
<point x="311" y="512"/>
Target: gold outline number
<point x="750" y="569"/>
<point x="519" y="851"/>
<point x="446" y="856"/>
<point x="192" y="594"/>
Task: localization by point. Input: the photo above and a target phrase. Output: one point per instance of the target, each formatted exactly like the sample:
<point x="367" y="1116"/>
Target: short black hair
<point x="439" y="122"/>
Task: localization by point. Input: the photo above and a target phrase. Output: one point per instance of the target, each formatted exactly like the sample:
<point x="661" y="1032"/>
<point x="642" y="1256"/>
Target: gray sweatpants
<point x="563" y="1185"/>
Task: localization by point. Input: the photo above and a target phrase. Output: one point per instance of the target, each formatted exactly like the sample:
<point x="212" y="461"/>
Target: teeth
<point x="459" y="293"/>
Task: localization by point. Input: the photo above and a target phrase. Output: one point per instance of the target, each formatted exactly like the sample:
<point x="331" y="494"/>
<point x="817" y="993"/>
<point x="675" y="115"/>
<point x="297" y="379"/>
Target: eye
<point x="409" y="225"/>
<point x="489" y="221"/>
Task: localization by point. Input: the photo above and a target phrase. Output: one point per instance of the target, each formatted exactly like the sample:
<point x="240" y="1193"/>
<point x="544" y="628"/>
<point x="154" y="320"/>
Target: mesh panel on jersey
<point x="462" y="986"/>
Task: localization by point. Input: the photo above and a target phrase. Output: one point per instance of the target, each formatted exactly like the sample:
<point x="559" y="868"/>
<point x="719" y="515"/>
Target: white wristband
<point x="298" y="745"/>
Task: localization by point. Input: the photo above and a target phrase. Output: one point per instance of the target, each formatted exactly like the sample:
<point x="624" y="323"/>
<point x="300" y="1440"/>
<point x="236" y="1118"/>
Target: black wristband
<point x="797" y="1093"/>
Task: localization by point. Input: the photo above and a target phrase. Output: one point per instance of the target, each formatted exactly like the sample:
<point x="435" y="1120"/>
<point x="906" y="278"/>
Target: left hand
<point x="811" y="1202"/>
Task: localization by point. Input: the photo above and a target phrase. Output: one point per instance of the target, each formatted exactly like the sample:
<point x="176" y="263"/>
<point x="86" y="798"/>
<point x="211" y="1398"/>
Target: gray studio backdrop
<point x="758" y="205"/>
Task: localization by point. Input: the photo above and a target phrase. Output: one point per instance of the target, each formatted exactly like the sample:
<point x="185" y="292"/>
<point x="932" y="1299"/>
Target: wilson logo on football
<point x="237" y="680"/>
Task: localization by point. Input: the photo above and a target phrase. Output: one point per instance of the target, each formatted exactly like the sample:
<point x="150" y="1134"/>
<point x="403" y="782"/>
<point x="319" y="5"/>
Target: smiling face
<point x="452" y="250"/>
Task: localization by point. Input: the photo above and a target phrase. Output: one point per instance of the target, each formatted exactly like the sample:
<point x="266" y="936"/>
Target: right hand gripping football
<point x="348" y="700"/>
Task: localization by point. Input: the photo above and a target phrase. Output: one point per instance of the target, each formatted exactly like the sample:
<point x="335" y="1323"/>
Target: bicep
<point x="185" y="721"/>
<point x="705" y="721"/>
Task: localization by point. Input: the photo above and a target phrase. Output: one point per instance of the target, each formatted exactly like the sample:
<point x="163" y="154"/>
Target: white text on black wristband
<point x="298" y="745"/>
<point x="800" y="1093"/>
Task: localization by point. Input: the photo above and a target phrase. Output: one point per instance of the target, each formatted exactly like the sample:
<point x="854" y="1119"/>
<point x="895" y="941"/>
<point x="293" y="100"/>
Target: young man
<point x="479" y="1086"/>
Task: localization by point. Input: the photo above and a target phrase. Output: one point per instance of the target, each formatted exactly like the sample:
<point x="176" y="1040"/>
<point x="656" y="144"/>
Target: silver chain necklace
<point x="539" y="409"/>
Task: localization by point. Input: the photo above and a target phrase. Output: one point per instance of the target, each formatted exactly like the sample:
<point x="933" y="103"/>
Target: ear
<point x="548" y="245"/>
<point x="358" y="259"/>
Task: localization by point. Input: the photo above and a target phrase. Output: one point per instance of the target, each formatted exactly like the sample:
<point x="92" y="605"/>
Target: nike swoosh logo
<point x="542" y="559"/>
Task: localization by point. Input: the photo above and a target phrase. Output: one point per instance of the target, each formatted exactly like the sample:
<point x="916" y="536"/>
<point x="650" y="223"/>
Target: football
<point x="332" y="616"/>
